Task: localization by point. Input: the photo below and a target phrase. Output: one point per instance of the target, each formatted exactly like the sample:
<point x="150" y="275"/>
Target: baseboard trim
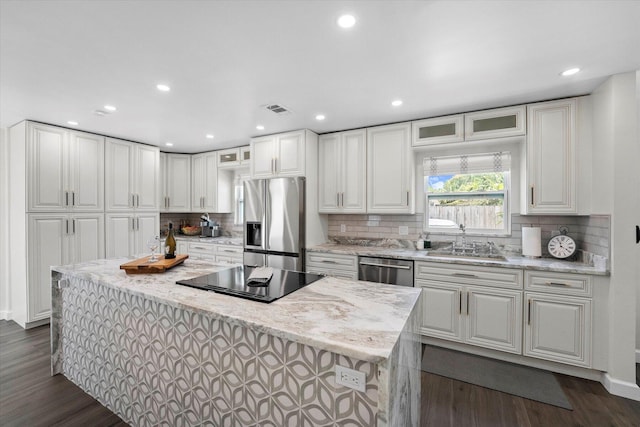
<point x="637" y="356"/>
<point x="620" y="388"/>
<point x="5" y="315"/>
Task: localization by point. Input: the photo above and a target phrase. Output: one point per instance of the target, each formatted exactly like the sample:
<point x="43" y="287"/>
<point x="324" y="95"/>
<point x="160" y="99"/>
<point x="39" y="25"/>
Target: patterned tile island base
<point x="156" y="361"/>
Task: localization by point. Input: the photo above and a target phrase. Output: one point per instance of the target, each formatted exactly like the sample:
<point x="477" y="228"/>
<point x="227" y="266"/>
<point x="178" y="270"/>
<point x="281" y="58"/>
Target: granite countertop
<point x="222" y="240"/>
<point x="544" y="264"/>
<point x="357" y="319"/>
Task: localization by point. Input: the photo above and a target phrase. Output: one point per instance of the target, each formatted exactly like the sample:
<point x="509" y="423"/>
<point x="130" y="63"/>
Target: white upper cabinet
<point x="439" y="130"/>
<point x="278" y="155"/>
<point x="342" y="172"/>
<point x="132" y="176"/>
<point x="175" y="182"/>
<point x="390" y="169"/>
<point x="497" y="123"/>
<point x="65" y="170"/>
<point x="245" y="156"/>
<point x="228" y="158"/>
<point x="211" y="187"/>
<point x="550" y="175"/>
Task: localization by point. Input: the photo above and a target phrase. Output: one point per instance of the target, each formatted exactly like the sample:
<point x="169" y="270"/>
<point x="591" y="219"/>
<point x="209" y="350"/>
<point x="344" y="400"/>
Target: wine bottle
<point x="170" y="244"/>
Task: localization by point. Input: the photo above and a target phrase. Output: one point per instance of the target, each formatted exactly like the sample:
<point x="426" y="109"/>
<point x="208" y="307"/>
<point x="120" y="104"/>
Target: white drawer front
<point x="228" y="250"/>
<point x="327" y="261"/>
<point x="469" y="274"/>
<point x="558" y="283"/>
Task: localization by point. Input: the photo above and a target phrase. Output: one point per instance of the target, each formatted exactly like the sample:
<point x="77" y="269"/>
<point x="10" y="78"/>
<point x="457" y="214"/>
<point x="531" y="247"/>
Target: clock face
<point x="562" y="246"/>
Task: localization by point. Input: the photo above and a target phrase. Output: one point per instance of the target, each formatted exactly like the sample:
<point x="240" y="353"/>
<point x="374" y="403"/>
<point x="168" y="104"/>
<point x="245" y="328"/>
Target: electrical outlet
<point x="403" y="230"/>
<point x="343" y="228"/>
<point x="351" y="378"/>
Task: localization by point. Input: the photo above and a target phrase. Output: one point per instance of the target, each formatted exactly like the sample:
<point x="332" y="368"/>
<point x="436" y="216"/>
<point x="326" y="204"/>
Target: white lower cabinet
<point x="58" y="239"/>
<point x="334" y="265"/>
<point x="559" y="324"/>
<point x="127" y="233"/>
<point x="481" y="306"/>
<point x="209" y="251"/>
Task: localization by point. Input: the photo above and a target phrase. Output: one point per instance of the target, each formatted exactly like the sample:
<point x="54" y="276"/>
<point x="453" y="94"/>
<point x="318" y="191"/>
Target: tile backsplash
<point x="591" y="233"/>
<point x="178" y="219"/>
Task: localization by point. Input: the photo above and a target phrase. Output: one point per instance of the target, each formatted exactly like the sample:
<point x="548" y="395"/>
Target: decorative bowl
<point x="191" y="231"/>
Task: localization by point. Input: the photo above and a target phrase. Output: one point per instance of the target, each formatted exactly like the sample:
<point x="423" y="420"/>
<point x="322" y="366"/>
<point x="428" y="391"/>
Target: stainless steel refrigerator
<point x="274" y="223"/>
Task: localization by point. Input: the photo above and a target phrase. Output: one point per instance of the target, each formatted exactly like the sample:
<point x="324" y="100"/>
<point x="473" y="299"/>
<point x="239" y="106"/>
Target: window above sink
<point x="470" y="189"/>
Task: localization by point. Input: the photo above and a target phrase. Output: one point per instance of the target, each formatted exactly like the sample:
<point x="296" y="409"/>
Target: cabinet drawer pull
<point x="200" y="247"/>
<point x="407" y="198"/>
<point x="66" y="198"/>
<point x="67" y="224"/>
<point x="464" y="275"/>
<point x="398" y="267"/>
<point x="555" y="284"/>
<point x="467" y="303"/>
<point x="529" y="313"/>
<point x="74" y="226"/>
<point x="338" y="199"/>
<point x="532" y="195"/>
<point x="227" y="250"/>
<point x="328" y="261"/>
<point x="275" y="164"/>
<point x="460" y="302"/>
<point x="342" y="199"/>
<point x="73" y="198"/>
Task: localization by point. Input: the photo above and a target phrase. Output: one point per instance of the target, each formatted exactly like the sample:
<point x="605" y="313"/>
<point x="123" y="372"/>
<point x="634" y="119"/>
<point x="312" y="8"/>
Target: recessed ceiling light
<point x="570" y="72"/>
<point x="169" y="144"/>
<point x="396" y="103"/>
<point x="260" y="127"/>
<point x="110" y="108"/>
<point x="209" y="136"/>
<point x="320" y="117"/>
<point x="72" y="123"/>
<point x="347" y="21"/>
<point x="163" y="88"/>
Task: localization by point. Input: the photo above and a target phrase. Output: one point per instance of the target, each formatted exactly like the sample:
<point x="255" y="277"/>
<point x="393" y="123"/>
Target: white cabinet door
<point x="494" y="319"/>
<point x="497" y="123"/>
<point x="389" y="169"/>
<point x="229" y="158"/>
<point x="147" y="178"/>
<point x="48" y="246"/>
<point x="441" y="310"/>
<point x="290" y="156"/>
<point x="198" y="181"/>
<point x="119" y="164"/>
<point x="87" y="237"/>
<point x="439" y="130"/>
<point x="551" y="159"/>
<point x="210" y="194"/>
<point x="162" y="175"/>
<point x="178" y="184"/>
<point x="558" y="328"/>
<point x="245" y="156"/>
<point x="353" y="165"/>
<point x="47" y="161"/>
<point x="329" y="171"/>
<point x="86" y="174"/>
<point x="120" y="235"/>
<point x="147" y="226"/>
<point x="263" y="152"/>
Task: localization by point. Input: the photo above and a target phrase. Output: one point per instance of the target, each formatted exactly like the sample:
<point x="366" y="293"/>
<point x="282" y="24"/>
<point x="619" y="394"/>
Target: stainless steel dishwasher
<point x="386" y="270"/>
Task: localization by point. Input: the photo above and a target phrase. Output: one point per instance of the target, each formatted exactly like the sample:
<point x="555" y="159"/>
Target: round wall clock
<point x="562" y="246"/>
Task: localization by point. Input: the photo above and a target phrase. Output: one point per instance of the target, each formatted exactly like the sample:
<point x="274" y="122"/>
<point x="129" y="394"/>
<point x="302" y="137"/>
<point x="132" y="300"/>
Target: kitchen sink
<point x="470" y="257"/>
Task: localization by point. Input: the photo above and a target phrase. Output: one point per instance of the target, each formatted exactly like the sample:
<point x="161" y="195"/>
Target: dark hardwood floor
<point x="29" y="396"/>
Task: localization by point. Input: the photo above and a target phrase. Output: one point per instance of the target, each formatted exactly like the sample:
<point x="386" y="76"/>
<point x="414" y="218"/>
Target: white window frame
<point x="505" y="231"/>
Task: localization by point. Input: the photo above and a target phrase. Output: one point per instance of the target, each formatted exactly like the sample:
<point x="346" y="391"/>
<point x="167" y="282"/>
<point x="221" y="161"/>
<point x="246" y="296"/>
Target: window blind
<point x="472" y="163"/>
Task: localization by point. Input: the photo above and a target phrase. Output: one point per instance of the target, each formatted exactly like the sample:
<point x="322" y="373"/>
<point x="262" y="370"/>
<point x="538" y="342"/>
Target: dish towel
<point x="260" y="276"/>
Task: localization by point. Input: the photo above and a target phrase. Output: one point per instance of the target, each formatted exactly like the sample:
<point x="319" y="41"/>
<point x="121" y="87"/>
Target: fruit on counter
<point x="191" y="230"/>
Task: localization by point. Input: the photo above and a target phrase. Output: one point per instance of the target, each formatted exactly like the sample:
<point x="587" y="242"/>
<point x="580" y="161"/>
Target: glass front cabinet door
<point x="439" y="130"/>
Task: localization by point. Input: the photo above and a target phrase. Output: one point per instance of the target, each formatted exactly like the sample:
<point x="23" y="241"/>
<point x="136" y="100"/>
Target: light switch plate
<point x="343" y="228"/>
<point x="403" y="230"/>
<point x="350" y="378"/>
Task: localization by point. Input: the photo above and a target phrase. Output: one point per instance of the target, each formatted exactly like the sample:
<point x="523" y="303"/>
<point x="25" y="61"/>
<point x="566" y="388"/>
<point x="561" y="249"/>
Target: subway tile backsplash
<point x="591" y="233"/>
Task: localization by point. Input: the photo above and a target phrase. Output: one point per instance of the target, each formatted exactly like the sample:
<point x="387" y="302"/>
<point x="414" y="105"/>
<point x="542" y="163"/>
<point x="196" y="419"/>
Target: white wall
<point x="616" y="180"/>
<point x="4" y="225"/>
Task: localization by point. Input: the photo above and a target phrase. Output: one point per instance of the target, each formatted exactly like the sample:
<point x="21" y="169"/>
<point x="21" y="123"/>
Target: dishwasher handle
<point x="399" y="267"/>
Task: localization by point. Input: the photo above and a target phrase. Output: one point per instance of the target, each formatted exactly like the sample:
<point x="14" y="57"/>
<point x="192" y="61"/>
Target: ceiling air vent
<point x="278" y="109"/>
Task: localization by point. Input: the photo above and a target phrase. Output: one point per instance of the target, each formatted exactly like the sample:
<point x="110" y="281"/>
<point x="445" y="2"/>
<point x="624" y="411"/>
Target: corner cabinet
<point x="132" y="176"/>
<point x="342" y="172"/>
<point x="175" y="177"/>
<point x="551" y="179"/>
<point x="278" y="155"/>
<point x="65" y="171"/>
<point x="390" y="170"/>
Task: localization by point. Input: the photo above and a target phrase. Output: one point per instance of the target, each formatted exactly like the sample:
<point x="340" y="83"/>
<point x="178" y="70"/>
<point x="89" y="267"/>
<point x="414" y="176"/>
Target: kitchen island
<point x="158" y="353"/>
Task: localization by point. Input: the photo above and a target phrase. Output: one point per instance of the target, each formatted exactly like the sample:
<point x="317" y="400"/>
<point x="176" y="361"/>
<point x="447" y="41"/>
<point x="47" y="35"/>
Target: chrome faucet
<point x="464" y="237"/>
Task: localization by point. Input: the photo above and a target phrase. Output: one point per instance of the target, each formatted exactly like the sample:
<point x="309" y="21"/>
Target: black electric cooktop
<point x="233" y="282"/>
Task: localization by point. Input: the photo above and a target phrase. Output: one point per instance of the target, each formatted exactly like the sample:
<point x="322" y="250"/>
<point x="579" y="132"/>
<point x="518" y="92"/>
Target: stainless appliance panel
<point x="285" y="262"/>
<point x="254" y="259"/>
<point x="284" y="212"/>
<point x="254" y="214"/>
<point x="386" y="270"/>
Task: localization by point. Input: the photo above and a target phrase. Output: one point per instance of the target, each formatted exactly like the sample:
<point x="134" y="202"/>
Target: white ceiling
<point x="225" y="60"/>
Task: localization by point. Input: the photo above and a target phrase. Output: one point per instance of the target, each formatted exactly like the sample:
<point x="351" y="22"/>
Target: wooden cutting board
<point x="144" y="266"/>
